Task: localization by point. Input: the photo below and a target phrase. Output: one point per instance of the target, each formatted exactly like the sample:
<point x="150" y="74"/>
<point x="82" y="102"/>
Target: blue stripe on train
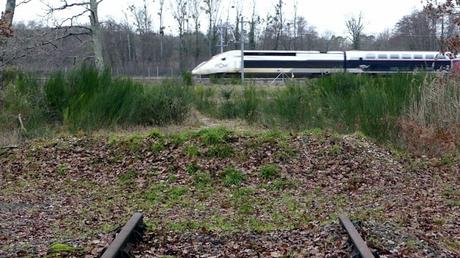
<point x="372" y="65"/>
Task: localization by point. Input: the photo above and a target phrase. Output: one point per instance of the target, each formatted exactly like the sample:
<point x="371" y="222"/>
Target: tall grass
<point x="23" y="102"/>
<point x="90" y="100"/>
<point x="372" y="105"/>
<point x="86" y="99"/>
<point x="344" y="102"/>
<point x="432" y="122"/>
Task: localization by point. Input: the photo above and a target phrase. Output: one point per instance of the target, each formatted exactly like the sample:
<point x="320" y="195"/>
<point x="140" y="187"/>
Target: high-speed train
<point x="311" y="63"/>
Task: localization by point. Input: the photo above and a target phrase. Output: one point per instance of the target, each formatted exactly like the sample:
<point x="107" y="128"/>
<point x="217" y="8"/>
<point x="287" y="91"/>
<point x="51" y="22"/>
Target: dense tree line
<point x="134" y="47"/>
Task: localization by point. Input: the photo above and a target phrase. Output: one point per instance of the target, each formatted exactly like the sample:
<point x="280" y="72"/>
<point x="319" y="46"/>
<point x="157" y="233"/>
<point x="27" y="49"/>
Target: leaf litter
<point x="78" y="191"/>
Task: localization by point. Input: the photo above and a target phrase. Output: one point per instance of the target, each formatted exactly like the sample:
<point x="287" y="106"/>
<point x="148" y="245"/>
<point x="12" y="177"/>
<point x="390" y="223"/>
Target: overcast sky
<point x="324" y="15"/>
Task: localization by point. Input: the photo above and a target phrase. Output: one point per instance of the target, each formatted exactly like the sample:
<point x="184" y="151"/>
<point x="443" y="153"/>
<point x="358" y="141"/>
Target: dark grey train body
<point x="311" y="63"/>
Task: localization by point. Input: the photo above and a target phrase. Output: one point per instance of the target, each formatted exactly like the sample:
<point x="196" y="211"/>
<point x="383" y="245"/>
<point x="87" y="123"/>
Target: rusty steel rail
<point x="132" y="232"/>
<point x="356" y="238"/>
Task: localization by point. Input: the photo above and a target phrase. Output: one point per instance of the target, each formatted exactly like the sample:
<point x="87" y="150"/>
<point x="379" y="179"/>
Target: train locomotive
<point x="313" y="63"/>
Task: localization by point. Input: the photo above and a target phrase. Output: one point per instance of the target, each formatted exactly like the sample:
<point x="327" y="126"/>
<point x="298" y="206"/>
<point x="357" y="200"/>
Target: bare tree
<point x="142" y="18"/>
<point x="212" y="8"/>
<point x="162" y="28"/>
<point x="180" y="11"/>
<point x="80" y="9"/>
<point x="415" y="32"/>
<point x="279" y="22"/>
<point x="295" y="6"/>
<point x="445" y="12"/>
<point x="355" y="28"/>
<point x="7" y="18"/>
<point x="195" y="14"/>
<point x="252" y="27"/>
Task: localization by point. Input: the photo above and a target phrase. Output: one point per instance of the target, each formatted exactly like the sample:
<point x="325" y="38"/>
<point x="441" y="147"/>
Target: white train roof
<point x="353" y="54"/>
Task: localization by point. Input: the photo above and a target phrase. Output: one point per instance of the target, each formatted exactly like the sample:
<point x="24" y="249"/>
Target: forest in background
<point x="135" y="47"/>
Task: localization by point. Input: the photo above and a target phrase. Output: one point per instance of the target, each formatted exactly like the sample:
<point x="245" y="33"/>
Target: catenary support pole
<point x="242" y="49"/>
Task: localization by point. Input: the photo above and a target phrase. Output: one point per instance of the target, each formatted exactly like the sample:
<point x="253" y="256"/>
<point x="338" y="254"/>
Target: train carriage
<point x="313" y="63"/>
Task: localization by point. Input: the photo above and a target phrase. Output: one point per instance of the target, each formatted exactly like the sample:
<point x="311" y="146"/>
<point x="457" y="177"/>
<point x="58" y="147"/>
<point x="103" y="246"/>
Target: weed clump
<point x="233" y="177"/>
<point x="128" y="177"/>
<point x="214" y="136"/>
<point x="269" y="172"/>
<point x="220" y="151"/>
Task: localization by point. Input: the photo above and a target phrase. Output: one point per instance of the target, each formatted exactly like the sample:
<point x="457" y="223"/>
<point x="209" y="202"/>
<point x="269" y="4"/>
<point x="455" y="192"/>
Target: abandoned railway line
<point x="215" y="192"/>
<point x="133" y="232"/>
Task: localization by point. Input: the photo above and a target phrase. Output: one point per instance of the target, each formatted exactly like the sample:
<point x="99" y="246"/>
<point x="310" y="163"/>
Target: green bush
<point x="187" y="78"/>
<point x="204" y="99"/>
<point x="249" y="104"/>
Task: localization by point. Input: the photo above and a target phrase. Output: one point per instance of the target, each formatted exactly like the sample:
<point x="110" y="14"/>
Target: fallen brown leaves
<point x="79" y="191"/>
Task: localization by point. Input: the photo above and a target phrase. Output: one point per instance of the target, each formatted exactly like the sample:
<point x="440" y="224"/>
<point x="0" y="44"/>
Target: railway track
<point x="130" y="234"/>
<point x="360" y="247"/>
<point x="133" y="232"/>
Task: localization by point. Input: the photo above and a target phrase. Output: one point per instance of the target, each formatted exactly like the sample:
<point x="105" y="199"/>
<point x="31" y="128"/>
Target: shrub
<point x="203" y="98"/>
<point x="249" y="104"/>
<point x="295" y="106"/>
<point x="187" y="78"/>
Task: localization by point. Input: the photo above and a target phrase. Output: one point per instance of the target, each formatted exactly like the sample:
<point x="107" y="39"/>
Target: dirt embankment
<point x="217" y="193"/>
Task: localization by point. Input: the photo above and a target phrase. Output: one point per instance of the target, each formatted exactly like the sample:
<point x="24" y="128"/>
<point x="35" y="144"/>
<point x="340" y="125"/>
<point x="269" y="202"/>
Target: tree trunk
<point x="96" y="35"/>
<point x="9" y="12"/>
<point x="197" y="41"/>
<point x="7" y="18"/>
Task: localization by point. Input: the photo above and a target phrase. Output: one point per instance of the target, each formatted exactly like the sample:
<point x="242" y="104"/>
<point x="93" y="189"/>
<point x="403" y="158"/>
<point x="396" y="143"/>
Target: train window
<point x="430" y="56"/>
<point x="270" y="53"/>
<point x="417" y="56"/>
<point x="406" y="56"/>
<point x="394" y="56"/>
<point x="440" y="56"/>
<point x="383" y="56"/>
<point x="370" y="56"/>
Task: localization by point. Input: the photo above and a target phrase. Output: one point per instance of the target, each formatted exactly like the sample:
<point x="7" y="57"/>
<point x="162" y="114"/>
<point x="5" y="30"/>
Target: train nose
<point x="199" y="69"/>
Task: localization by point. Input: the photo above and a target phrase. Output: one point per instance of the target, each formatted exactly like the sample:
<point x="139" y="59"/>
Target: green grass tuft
<point x="128" y="177"/>
<point x="269" y="172"/>
<point x="220" y="151"/>
<point x="233" y="177"/>
<point x="213" y="136"/>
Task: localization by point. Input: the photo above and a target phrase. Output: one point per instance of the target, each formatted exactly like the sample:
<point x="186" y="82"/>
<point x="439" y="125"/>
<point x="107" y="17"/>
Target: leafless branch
<point x="66" y="5"/>
<point x="23" y="2"/>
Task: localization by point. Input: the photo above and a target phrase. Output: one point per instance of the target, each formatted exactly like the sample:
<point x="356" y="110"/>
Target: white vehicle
<point x="311" y="63"/>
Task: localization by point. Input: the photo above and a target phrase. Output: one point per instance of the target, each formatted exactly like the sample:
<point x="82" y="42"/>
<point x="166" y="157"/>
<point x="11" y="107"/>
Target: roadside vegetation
<point x="324" y="151"/>
<point x="86" y="100"/>
<point x="417" y="112"/>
